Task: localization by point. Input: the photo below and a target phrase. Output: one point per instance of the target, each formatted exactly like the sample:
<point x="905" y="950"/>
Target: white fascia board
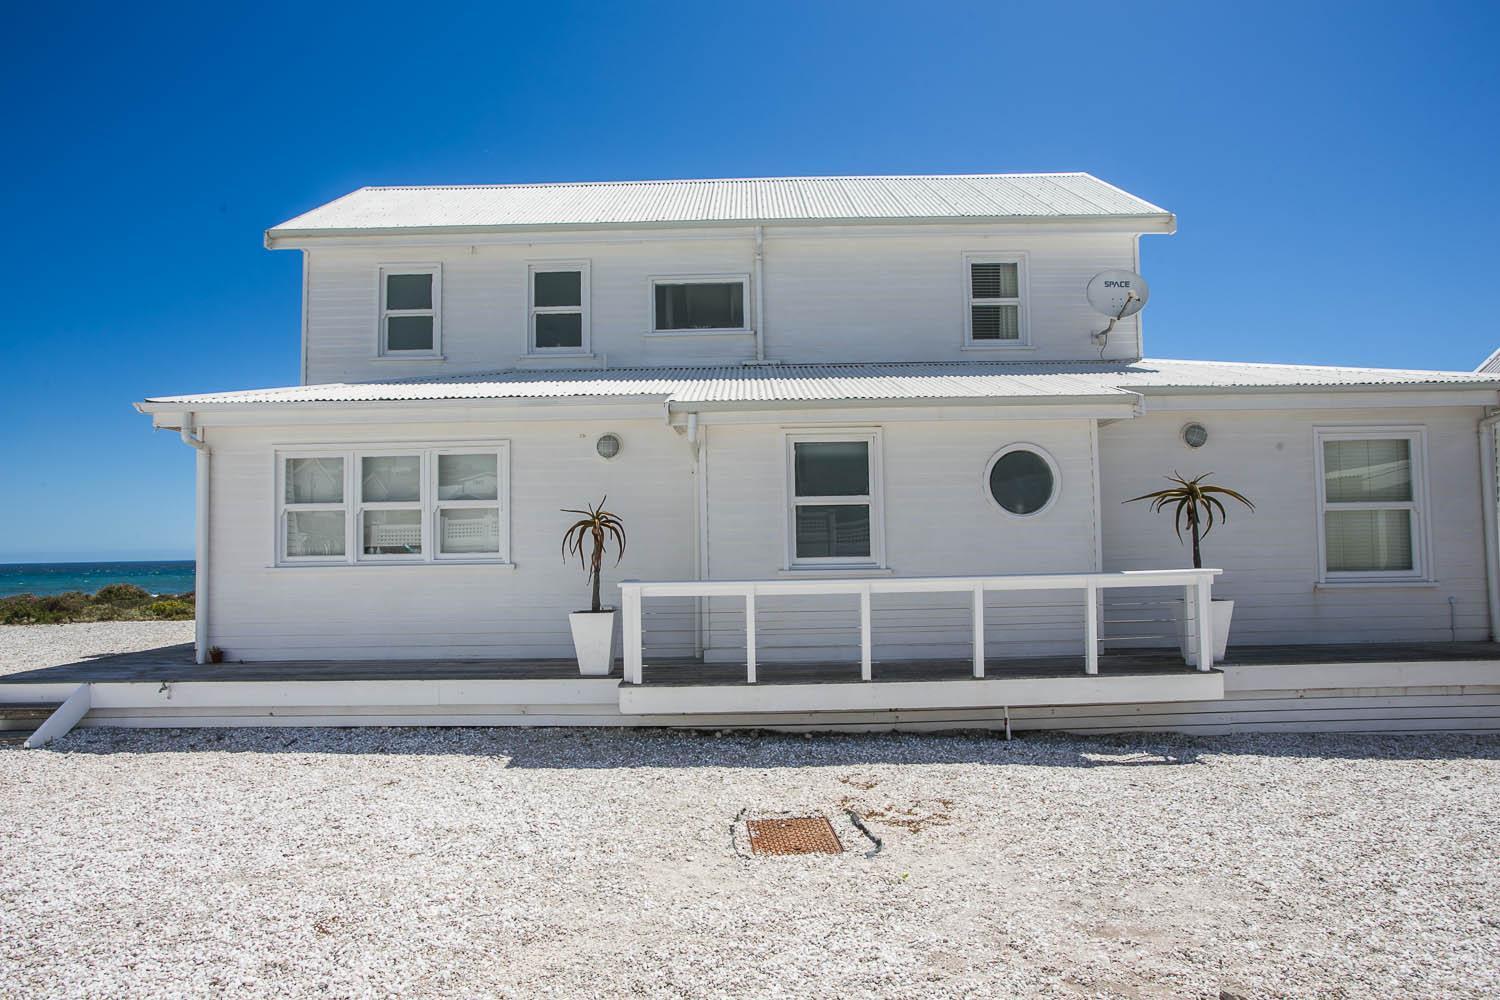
<point x="1314" y="397"/>
<point x="265" y="414"/>
<point x="876" y="411"/>
<point x="303" y="239"/>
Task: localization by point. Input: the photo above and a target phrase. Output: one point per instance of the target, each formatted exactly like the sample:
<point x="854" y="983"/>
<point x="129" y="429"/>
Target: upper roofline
<point x="838" y="200"/>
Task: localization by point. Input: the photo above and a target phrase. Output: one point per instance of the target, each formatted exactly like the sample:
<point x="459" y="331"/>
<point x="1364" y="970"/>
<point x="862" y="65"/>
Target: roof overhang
<point x="175" y="414"/>
<point x="280" y="238"/>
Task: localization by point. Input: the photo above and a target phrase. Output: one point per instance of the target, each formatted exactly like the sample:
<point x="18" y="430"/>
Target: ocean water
<point x="167" y="577"/>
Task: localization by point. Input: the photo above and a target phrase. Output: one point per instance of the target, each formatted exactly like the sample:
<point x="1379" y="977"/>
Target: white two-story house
<point x="859" y="430"/>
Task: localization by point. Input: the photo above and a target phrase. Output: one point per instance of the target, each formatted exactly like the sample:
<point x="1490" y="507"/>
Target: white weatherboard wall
<point x="404" y="611"/>
<point x="887" y="294"/>
<point x="938" y="522"/>
<point x="1270" y="556"/>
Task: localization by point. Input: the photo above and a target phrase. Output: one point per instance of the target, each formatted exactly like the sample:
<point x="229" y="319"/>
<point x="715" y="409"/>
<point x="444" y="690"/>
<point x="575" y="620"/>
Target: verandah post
<point x="1091" y="628"/>
<point x="750" y="636"/>
<point x="865" y="639"/>
<point x="1205" y="623"/>
<point x="978" y="630"/>
<point x="630" y="600"/>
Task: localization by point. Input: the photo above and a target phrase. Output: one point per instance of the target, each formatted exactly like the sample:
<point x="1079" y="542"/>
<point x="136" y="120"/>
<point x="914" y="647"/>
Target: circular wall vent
<point x="608" y="445"/>
<point x="1195" y="435"/>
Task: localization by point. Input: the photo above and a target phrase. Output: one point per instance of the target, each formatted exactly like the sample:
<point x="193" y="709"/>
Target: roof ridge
<point x="722" y="180"/>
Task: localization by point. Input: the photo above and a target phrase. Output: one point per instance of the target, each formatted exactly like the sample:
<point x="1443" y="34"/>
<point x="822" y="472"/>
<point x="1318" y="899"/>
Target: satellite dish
<point x="1118" y="294"/>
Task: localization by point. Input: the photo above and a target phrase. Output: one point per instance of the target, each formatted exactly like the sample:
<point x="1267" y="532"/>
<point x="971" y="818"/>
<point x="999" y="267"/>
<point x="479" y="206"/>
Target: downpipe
<point x="193" y="437"/>
<point x="1488" y="471"/>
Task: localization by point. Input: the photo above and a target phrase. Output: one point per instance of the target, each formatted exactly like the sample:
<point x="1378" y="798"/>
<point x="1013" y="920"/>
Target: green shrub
<point x="116" y="602"/>
<point x="123" y="595"/>
<point x="173" y="610"/>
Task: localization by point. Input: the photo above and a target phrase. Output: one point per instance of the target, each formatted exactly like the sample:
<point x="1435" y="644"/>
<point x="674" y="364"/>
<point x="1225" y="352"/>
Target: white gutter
<point x="195" y="439"/>
<point x="700" y="528"/>
<point x="1488" y="470"/>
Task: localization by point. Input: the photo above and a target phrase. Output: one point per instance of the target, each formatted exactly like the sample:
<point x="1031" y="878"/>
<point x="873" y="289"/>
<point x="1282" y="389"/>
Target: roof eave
<point x="1219" y="390"/>
<point x="281" y="238"/>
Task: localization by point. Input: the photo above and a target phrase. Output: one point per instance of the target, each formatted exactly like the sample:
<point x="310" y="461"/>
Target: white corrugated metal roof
<point x="1490" y="364"/>
<point x="728" y="384"/>
<point x="761" y="199"/>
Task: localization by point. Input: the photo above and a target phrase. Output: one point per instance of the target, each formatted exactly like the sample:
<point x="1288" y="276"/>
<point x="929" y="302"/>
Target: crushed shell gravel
<point x="557" y="863"/>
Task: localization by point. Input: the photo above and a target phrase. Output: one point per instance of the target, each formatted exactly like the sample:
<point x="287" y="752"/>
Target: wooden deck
<point x="174" y="664"/>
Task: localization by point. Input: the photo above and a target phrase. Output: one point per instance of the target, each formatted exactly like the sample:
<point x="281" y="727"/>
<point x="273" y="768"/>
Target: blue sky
<point x="1333" y="168"/>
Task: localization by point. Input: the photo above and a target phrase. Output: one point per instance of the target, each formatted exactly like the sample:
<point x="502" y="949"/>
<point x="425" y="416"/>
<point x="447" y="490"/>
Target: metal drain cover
<point x="796" y="835"/>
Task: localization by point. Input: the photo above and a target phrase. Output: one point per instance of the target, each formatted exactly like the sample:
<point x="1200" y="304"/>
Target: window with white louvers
<point x="996" y="313"/>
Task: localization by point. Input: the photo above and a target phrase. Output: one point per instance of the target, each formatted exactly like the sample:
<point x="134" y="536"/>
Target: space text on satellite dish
<point x="1117" y="284"/>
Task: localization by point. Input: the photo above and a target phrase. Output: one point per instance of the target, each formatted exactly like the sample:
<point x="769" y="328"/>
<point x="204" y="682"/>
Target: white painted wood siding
<point x="938" y="522"/>
<point x="1270" y="556"/>
<point x="879" y="294"/>
<point x="260" y="612"/>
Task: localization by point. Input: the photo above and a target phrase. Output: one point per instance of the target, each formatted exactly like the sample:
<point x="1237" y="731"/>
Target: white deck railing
<point x="1196" y="583"/>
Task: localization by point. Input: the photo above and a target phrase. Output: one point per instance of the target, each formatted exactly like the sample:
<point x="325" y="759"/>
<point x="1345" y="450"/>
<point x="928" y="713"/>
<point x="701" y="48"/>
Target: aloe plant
<point x="1194" y="502"/>
<point x="598" y="527"/>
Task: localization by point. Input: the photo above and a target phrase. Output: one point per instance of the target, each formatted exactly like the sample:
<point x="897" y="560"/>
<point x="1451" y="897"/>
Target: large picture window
<point x="1371" y="492"/>
<point x="834" y="489"/>
<point x="409" y="504"/>
<point x="710" y="304"/>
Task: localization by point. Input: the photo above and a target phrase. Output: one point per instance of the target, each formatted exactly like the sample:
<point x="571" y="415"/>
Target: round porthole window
<point x="1022" y="480"/>
<point x="608" y="445"/>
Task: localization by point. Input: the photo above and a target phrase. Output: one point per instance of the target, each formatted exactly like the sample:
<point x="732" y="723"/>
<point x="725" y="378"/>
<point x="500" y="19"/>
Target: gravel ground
<point x="555" y="863"/>
<point x="27" y="647"/>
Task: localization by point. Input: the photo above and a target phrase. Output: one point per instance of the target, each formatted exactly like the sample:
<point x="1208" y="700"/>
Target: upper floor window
<point x="1371" y="492"/>
<point x="707" y="304"/>
<point x="996" y="313"/>
<point x="559" y="321"/>
<point x="410" y="310"/>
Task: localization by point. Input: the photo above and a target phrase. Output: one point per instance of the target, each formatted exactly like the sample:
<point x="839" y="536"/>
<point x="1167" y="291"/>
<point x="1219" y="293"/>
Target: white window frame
<point x="873" y="439"/>
<point x="1040" y="452"/>
<point x="582" y="309"/>
<point x="354" y="507"/>
<point x="1417" y="506"/>
<point x="436" y="312"/>
<point x="1023" y="317"/>
<point x="702" y="279"/>
<point x="501" y="504"/>
<point x="362" y="506"/>
<point x="283" y="508"/>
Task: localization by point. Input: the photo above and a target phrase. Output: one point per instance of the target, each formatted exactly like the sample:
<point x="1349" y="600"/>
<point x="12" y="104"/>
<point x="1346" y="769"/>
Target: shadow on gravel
<point x="578" y="749"/>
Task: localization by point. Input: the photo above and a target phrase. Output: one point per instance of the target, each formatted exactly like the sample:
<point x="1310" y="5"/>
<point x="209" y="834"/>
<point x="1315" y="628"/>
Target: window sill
<point x="833" y="573"/>
<point x="409" y="357"/>
<point x="343" y="567"/>
<point x="546" y="356"/>
<point x="664" y="334"/>
<point x="986" y="348"/>
<point x="1376" y="584"/>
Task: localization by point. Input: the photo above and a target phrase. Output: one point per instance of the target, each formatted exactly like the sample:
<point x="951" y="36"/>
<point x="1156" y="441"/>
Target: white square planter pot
<point x="594" y="641"/>
<point x="1221" y="612"/>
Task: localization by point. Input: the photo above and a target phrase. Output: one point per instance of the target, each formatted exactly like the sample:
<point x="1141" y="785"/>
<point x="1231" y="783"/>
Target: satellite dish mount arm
<point x="1102" y="337"/>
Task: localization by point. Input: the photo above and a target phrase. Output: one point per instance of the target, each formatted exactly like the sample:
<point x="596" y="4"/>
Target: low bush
<point x="115" y="602"/>
<point x="123" y="595"/>
<point x="172" y="609"/>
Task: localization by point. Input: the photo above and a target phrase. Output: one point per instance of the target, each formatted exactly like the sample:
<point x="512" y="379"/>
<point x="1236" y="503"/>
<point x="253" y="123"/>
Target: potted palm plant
<point x="594" y="629"/>
<point x="1197" y="504"/>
